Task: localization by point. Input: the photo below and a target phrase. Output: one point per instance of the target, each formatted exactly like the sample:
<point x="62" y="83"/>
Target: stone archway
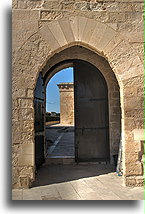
<point x="32" y="58"/>
<point x="64" y="59"/>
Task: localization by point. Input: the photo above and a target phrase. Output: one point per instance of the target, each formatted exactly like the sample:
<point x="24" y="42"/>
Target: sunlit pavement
<point x="78" y="182"/>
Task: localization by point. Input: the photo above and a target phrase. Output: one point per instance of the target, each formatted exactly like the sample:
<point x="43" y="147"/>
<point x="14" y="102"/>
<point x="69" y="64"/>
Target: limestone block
<point x="118" y="50"/>
<point x="95" y="6"/>
<point x="25" y="103"/>
<point x="133" y="168"/>
<point x="18" y="92"/>
<point x="133" y="91"/>
<point x="134" y="103"/>
<point x="74" y="26"/>
<point x="50" y="15"/>
<point x="24" y="182"/>
<point x="97" y="34"/>
<point x="130" y="181"/>
<point x="101" y="36"/>
<point x="26" y="160"/>
<point x="81" y="26"/>
<point x="30" y="15"/>
<point x="126" y="61"/>
<point x="58" y="33"/>
<point x="136" y="80"/>
<point x="82" y="5"/>
<point x="116" y="17"/>
<point x="133" y="113"/>
<point x="28" y="149"/>
<point x="23" y="30"/>
<point x="16" y="126"/>
<point x="109" y="35"/>
<point x="30" y="93"/>
<point x="27" y="126"/>
<point x="135" y="36"/>
<point x="67" y="5"/>
<point x="16" y="137"/>
<point x="112" y="44"/>
<point x="14" y="4"/>
<point x="27" y="137"/>
<point x="49" y="37"/>
<point x="129" y="6"/>
<point x="130" y="124"/>
<point x="133" y="71"/>
<point x="88" y="30"/>
<point x="139" y="181"/>
<point x="132" y="146"/>
<point x="33" y="53"/>
<point x="139" y="49"/>
<point x="51" y="5"/>
<point x="139" y="134"/>
<point x="26" y="114"/>
<point x="30" y="4"/>
<point x="67" y="30"/>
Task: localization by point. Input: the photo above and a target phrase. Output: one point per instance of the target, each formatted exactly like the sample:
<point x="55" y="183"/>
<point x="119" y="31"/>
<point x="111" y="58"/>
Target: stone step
<point x="62" y="160"/>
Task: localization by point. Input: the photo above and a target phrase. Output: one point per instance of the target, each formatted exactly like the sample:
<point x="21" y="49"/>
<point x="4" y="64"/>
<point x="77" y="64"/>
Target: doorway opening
<point x="89" y="136"/>
<point x="60" y="117"/>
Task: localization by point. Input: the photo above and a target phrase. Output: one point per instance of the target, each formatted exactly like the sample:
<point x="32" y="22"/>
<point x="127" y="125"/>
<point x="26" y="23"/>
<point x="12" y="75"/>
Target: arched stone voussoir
<point x="70" y="31"/>
<point x="79" y="29"/>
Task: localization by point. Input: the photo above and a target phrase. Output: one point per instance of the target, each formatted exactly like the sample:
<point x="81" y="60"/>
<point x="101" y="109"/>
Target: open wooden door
<point x="91" y="113"/>
<point x="39" y="121"/>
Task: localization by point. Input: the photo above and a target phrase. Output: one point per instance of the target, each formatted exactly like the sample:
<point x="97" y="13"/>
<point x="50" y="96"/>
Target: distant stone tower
<point x="66" y="103"/>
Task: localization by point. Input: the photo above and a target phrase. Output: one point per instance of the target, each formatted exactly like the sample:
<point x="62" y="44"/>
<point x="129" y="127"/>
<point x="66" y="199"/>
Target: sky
<point x="52" y="90"/>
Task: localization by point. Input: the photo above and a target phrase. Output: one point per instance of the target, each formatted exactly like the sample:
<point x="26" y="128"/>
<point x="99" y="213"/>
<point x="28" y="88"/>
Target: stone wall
<point x="66" y="103"/>
<point x="42" y="29"/>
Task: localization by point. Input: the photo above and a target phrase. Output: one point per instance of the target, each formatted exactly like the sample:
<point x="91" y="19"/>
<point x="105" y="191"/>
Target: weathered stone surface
<point x="27" y="126"/>
<point x="26" y="160"/>
<point x="27" y="137"/>
<point x="138" y="134"/>
<point x="67" y="30"/>
<point x="113" y="30"/>
<point x="30" y="4"/>
<point x="58" y="33"/>
<point x="50" y="15"/>
<point x="26" y="114"/>
<point x="30" y="93"/>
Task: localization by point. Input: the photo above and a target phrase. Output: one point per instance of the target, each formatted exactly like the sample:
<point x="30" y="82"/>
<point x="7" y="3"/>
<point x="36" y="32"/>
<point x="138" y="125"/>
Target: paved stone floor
<point x="60" y="141"/>
<point x="86" y="181"/>
<point x="78" y="182"/>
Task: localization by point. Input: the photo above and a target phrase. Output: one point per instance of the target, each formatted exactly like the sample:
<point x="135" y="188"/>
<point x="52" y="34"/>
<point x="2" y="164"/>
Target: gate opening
<point x="76" y="124"/>
<point x="60" y="117"/>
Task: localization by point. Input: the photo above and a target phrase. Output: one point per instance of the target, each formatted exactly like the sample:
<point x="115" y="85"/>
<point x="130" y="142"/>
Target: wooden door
<point x="91" y="113"/>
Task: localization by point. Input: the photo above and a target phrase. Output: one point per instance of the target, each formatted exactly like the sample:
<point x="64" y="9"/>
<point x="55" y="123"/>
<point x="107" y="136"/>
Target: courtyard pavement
<point x="78" y="182"/>
<point x="60" y="141"/>
<point x="85" y="181"/>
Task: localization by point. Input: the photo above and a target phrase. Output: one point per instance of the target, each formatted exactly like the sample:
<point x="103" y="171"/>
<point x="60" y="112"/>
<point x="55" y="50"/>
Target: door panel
<point x="91" y="113"/>
<point x="39" y="121"/>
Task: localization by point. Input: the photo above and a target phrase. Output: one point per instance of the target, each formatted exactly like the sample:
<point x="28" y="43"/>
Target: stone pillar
<point x="66" y="103"/>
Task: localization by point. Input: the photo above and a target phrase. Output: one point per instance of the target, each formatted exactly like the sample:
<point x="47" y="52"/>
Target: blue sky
<point x="52" y="90"/>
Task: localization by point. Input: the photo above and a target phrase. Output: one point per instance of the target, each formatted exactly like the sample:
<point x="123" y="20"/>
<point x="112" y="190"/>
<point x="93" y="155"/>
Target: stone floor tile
<point x="49" y="191"/>
<point x="78" y="182"/>
<point x="32" y="194"/>
<point x="67" y="192"/>
<point x="17" y="194"/>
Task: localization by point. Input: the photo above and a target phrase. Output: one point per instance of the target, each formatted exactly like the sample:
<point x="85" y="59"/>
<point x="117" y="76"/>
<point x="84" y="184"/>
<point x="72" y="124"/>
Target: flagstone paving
<point x="78" y="182"/>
